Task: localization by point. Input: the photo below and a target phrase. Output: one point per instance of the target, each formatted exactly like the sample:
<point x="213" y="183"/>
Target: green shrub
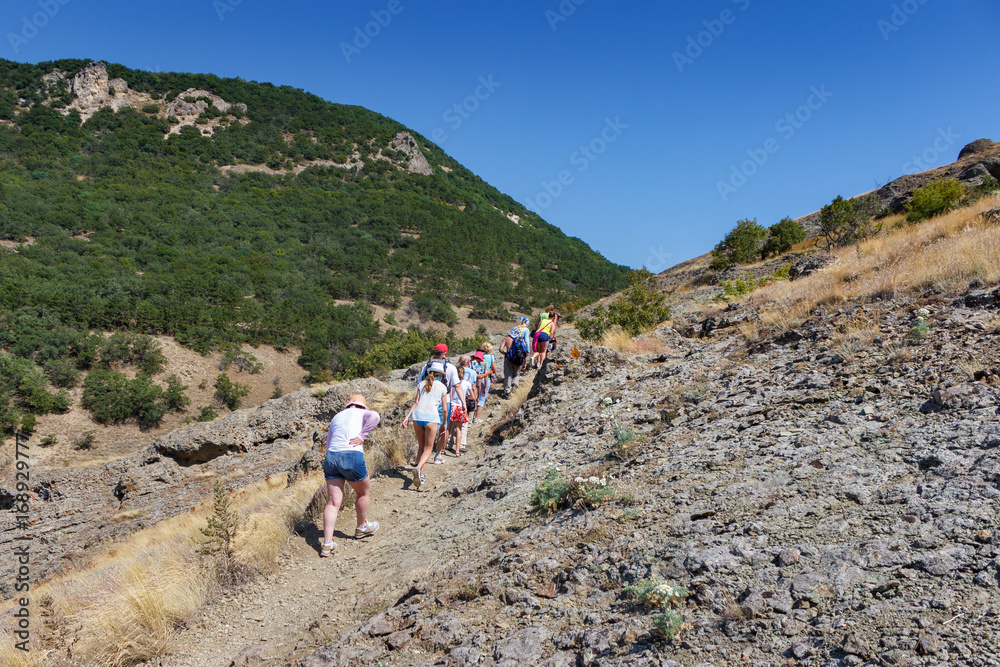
<point x="593" y="328"/>
<point x="389" y="319"/>
<point x="555" y="492"/>
<point x="28" y="423"/>
<point x="489" y="310"/>
<point x="938" y="196"/>
<point x="174" y="394"/>
<point x="49" y="440"/>
<point x="430" y="307"/>
<point x="208" y="413"/>
<point x="133" y="349"/>
<point x="150" y="108"/>
<point x="638" y="308"/>
<point x="61" y="372"/>
<point x="847" y="221"/>
<point x="665" y="597"/>
<point x="86" y="441"/>
<point x="668" y="623"/>
<point x="781" y="237"/>
<point x="402" y="349"/>
<point x="245" y="362"/>
<point x="112" y="398"/>
<point x="987" y="187"/>
<point x="229" y="393"/>
<point x="742" y="245"/>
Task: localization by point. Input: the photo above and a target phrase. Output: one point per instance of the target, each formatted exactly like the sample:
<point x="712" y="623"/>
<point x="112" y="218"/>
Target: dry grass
<point x="854" y="334"/>
<point x="127" y="604"/>
<point x="946" y="253"/>
<point x="620" y="341"/>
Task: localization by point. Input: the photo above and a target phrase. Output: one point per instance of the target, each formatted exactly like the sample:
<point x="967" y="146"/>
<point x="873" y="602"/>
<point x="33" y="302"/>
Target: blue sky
<point x="646" y="128"/>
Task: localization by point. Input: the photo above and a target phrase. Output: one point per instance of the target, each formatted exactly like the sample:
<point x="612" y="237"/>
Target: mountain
<point x="223" y="211"/>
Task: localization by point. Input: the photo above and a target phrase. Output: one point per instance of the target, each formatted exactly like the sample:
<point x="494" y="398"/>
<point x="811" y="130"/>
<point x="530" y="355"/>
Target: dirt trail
<point x="309" y="601"/>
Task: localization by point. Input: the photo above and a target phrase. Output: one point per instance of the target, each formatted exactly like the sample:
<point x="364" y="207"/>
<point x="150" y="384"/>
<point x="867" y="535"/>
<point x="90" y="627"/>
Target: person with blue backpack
<point x="514" y="352"/>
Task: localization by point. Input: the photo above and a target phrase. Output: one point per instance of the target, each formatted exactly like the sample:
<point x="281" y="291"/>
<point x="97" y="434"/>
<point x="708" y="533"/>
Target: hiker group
<point x="449" y="397"/>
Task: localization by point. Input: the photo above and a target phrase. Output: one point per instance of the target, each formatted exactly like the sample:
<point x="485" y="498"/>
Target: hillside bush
<point x="112" y="398"/>
<point x="638" y="308"/>
<point x="556" y="492"/>
<point x="935" y="198"/>
<point x="742" y="245"/>
<point x="781" y="236"/>
<point x="846" y="222"/>
<point x="229" y="393"/>
<point x="244" y="362"/>
<point x="431" y="307"/>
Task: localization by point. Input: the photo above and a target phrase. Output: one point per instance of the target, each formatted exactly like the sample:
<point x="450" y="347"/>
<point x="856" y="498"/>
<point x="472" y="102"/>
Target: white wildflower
<point x="578" y="480"/>
<point x="594" y="480"/>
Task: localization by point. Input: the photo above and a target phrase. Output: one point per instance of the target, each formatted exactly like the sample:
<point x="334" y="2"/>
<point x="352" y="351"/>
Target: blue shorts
<point x="423" y="424"/>
<point x="443" y="419"/>
<point x="348" y="466"/>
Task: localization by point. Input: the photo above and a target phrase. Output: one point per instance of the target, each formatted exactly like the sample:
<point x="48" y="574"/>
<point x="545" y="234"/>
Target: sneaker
<point x="328" y="549"/>
<point x="418" y="478"/>
<point x="366" y="530"/>
<point x="478" y="421"/>
<point x="439" y="458"/>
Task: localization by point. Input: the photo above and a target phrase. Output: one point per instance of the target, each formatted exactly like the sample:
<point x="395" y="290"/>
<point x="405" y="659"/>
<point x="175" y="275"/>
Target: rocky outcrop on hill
<point x="976" y="161"/>
<point x="828" y="497"/>
<point x="407" y="145"/>
<point x="74" y="510"/>
<point x="92" y="90"/>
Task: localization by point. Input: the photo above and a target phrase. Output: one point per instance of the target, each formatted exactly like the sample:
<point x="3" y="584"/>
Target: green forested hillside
<point x="119" y="228"/>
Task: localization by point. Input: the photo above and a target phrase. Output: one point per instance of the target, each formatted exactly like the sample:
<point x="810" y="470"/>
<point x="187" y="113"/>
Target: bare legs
<point x="425" y="443"/>
<point x="334" y="498"/>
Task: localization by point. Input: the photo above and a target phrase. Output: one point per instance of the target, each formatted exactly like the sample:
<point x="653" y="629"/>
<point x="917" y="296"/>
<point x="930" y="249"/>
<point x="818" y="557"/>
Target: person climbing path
<point x="345" y="463"/>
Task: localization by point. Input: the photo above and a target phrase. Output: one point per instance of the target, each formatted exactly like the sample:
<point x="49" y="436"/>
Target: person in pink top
<point x="345" y="463"/>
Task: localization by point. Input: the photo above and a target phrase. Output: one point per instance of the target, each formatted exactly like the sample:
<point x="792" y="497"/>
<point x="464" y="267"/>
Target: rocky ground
<point x="826" y="497"/>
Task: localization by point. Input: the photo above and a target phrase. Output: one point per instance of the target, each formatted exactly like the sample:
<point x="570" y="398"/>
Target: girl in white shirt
<point x="428" y="413"/>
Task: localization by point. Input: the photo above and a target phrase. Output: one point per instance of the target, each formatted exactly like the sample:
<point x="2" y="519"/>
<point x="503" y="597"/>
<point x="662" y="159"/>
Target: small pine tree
<point x="222" y="525"/>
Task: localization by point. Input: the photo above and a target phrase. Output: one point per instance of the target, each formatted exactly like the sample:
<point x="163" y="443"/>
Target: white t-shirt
<point x="349" y="424"/>
<point x="428" y="402"/>
<point x="470" y="378"/>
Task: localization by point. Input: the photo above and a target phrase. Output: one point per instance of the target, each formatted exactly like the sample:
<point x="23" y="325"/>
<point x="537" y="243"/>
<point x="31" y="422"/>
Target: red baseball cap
<point x="441" y="347"/>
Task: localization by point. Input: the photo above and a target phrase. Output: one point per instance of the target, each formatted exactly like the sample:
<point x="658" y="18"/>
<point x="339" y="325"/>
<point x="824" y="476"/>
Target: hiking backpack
<point x="518" y="352"/>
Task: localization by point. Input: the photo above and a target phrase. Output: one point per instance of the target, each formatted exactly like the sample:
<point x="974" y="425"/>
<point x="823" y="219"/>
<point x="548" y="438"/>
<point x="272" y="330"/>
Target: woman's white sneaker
<point x="366" y="530"/>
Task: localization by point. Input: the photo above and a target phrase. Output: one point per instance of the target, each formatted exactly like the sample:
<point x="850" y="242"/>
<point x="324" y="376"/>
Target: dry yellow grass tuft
<point x="947" y="253"/>
<point x="126" y="605"/>
<point x="620" y="341"/>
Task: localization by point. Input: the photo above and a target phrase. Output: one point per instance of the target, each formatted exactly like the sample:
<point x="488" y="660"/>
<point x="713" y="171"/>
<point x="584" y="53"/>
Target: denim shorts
<point x="349" y="466"/>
